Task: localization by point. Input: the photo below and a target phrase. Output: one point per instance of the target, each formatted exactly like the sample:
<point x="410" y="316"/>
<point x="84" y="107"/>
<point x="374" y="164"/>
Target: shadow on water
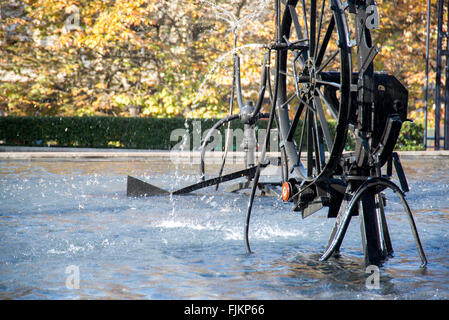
<point x="305" y="277"/>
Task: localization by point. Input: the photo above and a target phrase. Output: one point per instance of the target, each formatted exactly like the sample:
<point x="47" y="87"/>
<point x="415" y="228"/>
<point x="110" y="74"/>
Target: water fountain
<point x="324" y="69"/>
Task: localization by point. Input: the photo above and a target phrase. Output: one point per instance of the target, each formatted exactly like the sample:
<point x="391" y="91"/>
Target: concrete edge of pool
<point x="29" y="153"/>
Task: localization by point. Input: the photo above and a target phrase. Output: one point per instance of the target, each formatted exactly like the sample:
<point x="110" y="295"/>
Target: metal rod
<point x="438" y="77"/>
<point x="207" y="140"/>
<point x="312" y="36"/>
<point x="323" y="4"/>
<point x="426" y="93"/>
<point x="210" y="182"/>
<point x="326" y="39"/>
<point x="267" y="137"/>
<point x="238" y="82"/>
<point x="446" y="92"/>
<point x="295" y="121"/>
<point x="231" y="110"/>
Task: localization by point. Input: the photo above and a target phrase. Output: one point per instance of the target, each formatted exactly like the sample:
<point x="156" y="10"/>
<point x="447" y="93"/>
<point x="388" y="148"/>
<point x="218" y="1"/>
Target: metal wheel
<point x="314" y="86"/>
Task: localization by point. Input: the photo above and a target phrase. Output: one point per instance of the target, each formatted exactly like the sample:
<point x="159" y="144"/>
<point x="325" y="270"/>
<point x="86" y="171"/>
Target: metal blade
<point x="139" y="188"/>
<point x="202" y="184"/>
<point x="340" y="227"/>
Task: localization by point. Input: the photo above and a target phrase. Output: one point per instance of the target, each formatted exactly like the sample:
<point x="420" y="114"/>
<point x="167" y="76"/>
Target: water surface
<point x="56" y="215"/>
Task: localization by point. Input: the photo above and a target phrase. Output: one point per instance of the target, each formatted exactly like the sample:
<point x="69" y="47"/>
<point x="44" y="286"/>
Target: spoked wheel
<point x="314" y="86"/>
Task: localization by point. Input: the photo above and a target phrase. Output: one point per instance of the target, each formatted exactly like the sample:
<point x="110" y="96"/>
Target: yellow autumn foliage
<point x="174" y="58"/>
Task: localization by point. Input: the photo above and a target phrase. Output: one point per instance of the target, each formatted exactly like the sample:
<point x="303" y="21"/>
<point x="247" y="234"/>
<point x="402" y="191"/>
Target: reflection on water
<point x="56" y="214"/>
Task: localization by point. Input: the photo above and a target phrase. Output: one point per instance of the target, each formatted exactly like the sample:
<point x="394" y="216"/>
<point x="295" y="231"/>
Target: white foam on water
<point x="189" y="243"/>
<point x="171" y="224"/>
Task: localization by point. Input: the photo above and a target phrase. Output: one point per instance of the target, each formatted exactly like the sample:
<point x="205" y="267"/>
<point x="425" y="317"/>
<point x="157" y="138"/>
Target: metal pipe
<point x="208" y="136"/>
<point x="438" y="77"/>
<point x="426" y="93"/>
<point x="238" y="82"/>
<point x="446" y="95"/>
<point x="267" y="137"/>
<point x="263" y="85"/>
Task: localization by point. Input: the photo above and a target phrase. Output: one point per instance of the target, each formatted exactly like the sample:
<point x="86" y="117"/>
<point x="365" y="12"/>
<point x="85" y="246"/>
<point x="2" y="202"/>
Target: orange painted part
<point x="286" y="191"/>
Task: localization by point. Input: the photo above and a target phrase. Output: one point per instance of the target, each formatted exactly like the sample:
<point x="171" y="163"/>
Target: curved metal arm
<point x="256" y="113"/>
<point x="338" y="238"/>
<point x="207" y="140"/>
<point x="263" y="83"/>
<point x="267" y="137"/>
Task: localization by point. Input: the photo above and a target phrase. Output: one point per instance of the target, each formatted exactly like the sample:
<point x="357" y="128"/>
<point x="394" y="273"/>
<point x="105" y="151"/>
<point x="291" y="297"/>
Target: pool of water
<point x="63" y="221"/>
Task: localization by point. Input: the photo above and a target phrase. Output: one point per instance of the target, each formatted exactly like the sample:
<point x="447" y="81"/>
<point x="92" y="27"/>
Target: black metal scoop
<point x="139" y="188"/>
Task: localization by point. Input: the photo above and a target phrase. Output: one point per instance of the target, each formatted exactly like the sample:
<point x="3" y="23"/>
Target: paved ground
<point x="28" y="153"/>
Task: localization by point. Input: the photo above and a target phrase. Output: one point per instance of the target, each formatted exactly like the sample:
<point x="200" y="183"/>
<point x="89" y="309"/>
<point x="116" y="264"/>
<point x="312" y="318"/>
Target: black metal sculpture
<point x="317" y="78"/>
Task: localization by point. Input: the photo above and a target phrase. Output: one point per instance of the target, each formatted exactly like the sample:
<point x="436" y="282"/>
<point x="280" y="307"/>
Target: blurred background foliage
<point x="170" y="58"/>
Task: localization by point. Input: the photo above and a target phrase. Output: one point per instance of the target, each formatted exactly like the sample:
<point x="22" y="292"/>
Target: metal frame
<point x="375" y="104"/>
<point x="442" y="77"/>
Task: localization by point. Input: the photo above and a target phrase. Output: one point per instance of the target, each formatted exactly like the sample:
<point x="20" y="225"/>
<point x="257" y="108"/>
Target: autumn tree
<point x="97" y="57"/>
<point x="75" y="57"/>
<point x="402" y="39"/>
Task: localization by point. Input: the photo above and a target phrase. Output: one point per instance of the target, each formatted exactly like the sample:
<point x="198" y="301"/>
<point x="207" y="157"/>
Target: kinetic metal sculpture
<point x="324" y="69"/>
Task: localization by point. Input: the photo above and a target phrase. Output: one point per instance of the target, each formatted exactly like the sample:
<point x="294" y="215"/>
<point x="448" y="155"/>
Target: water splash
<point x="236" y="24"/>
<point x="216" y="64"/>
<point x="137" y="243"/>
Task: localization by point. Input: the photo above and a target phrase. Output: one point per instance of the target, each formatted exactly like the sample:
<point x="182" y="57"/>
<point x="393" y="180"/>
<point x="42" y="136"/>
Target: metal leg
<point x="341" y="225"/>
<point x="386" y="246"/>
<point x="371" y="235"/>
<point x="414" y="229"/>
